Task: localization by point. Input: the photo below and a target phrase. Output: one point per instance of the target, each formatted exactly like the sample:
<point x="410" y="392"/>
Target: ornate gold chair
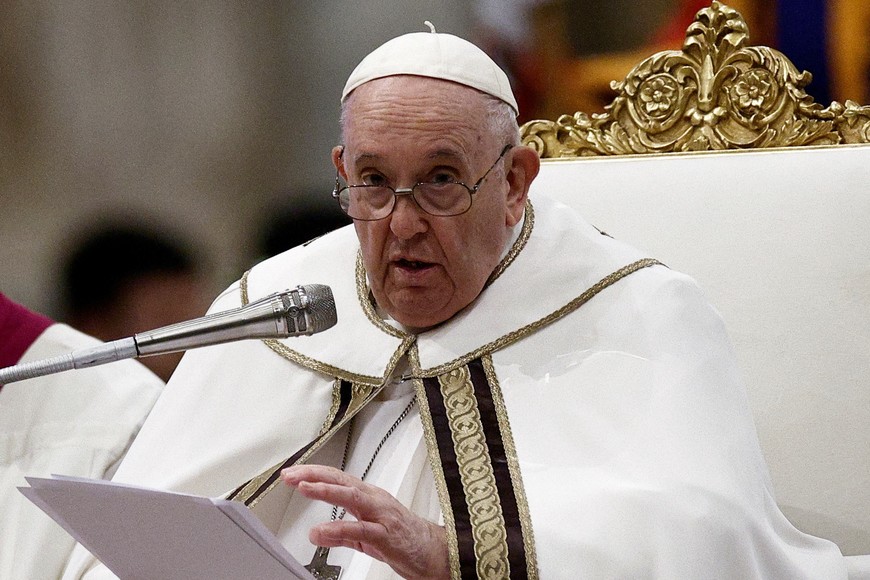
<point x="714" y="160"/>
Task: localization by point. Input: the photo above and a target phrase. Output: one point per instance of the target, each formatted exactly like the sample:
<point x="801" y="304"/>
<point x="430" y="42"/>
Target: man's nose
<point x="408" y="218"/>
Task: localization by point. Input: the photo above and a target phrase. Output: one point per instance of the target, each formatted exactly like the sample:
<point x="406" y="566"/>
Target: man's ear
<point x="521" y="169"/>
<point x="337" y="153"/>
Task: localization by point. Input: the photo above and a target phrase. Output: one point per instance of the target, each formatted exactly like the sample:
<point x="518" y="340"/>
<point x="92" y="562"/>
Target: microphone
<point x="303" y="310"/>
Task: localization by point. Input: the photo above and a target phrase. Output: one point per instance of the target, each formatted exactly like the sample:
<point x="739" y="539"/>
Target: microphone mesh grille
<point x="321" y="307"/>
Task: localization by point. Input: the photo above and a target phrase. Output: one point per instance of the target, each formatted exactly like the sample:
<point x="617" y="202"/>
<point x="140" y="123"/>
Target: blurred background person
<point x="120" y="279"/>
<point x="292" y="221"/>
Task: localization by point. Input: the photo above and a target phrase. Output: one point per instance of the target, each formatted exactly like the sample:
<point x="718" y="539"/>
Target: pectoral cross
<point x="320" y="568"/>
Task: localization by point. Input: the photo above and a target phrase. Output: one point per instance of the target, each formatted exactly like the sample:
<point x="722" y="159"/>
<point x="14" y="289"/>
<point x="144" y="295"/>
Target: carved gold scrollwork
<point x="716" y="93"/>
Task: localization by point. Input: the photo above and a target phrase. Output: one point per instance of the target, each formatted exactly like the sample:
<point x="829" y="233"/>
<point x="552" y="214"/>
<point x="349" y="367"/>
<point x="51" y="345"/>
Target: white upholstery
<point x="780" y="240"/>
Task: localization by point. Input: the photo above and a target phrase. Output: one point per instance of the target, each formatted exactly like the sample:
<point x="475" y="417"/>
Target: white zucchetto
<point x="436" y="55"/>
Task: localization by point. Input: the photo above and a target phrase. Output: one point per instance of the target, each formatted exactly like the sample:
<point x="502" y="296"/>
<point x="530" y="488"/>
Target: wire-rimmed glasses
<point x="439" y="198"/>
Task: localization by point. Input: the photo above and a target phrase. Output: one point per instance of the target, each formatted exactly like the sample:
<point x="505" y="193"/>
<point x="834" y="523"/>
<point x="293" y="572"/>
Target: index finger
<point x="315" y="474"/>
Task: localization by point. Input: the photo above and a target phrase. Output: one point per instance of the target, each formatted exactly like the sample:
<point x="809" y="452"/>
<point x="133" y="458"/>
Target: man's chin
<point x="418" y="315"/>
<point x="416" y="323"/>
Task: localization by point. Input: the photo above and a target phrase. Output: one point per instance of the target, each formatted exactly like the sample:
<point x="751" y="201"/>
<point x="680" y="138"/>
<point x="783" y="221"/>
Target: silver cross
<point x="320" y="568"/>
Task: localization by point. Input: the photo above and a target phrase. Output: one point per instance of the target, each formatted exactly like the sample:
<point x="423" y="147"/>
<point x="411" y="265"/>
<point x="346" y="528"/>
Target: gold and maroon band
<point x="487" y="503"/>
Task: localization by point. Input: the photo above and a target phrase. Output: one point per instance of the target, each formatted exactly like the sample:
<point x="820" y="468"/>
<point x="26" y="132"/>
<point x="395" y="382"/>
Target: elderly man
<point x="508" y="392"/>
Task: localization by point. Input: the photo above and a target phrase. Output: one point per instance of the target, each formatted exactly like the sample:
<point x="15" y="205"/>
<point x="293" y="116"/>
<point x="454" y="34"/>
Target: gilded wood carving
<point x="716" y="93"/>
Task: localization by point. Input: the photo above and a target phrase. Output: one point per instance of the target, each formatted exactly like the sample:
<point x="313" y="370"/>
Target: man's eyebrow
<point x="445" y="153"/>
<point x="436" y="154"/>
<point x="363" y="157"/>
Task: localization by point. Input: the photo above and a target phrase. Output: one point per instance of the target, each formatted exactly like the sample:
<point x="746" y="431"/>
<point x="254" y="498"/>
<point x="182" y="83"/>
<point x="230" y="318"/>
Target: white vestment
<point x="72" y="423"/>
<point x="608" y="421"/>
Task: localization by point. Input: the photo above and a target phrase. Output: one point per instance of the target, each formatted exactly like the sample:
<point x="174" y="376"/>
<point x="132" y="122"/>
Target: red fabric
<point x="19" y="327"/>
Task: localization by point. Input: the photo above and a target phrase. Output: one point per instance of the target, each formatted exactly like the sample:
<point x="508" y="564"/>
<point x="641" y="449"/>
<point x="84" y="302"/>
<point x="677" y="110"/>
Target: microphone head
<point x="320" y="312"/>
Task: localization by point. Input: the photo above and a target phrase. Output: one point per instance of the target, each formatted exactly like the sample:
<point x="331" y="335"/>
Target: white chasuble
<point x="583" y="418"/>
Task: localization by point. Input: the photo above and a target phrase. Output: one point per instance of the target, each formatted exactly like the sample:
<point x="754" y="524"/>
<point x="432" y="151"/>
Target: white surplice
<point x="77" y="422"/>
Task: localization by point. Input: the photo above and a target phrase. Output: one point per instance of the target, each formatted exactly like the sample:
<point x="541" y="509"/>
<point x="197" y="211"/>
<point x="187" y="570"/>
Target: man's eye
<point x="374" y="179"/>
<point x="440" y="178"/>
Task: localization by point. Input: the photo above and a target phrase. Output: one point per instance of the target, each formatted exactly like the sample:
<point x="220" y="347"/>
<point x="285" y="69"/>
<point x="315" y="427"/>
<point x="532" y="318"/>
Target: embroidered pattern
<point x="476" y="472"/>
<point x="476" y="475"/>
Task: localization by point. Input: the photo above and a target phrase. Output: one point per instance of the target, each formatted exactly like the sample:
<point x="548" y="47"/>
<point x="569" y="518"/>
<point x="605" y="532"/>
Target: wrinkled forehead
<point x="399" y="90"/>
<point x="408" y="113"/>
<point x="417" y="105"/>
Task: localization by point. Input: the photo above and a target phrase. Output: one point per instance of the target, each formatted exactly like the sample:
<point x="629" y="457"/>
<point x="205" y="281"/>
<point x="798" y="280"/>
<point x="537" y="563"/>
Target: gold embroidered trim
<point x="333" y="408"/>
<point x="360" y="395"/>
<point x="533" y="327"/>
<point x="514" y="469"/>
<point x="243" y="287"/>
<point x="367" y="301"/>
<point x="320" y="367"/>
<point x="476" y="474"/>
<point x="254" y="484"/>
<point x="285" y="352"/>
<point x="522" y="239"/>
<point x="436" y="466"/>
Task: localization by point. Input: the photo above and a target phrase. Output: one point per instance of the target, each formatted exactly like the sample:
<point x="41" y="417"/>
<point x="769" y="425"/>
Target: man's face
<point x="403" y="130"/>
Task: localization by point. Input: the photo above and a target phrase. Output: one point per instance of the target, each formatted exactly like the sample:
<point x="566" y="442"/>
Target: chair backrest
<point x="775" y="226"/>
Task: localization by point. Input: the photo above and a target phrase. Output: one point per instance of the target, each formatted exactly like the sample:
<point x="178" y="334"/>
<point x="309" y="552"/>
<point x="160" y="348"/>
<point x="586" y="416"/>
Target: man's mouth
<point x="413" y="264"/>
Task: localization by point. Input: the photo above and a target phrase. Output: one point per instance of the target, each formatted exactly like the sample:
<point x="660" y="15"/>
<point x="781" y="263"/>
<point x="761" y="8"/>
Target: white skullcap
<point x="436" y="55"/>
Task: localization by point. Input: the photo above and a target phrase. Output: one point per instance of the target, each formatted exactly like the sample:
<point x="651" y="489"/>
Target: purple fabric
<point x="19" y="327"/>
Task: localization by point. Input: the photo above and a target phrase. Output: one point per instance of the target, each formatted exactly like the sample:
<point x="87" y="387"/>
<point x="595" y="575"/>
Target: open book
<point x="150" y="534"/>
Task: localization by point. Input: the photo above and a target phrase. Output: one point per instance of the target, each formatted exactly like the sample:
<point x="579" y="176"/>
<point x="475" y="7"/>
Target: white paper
<point x="141" y="533"/>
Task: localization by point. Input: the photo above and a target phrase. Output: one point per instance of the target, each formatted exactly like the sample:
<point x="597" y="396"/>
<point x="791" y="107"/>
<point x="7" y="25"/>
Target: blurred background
<point x="207" y="126"/>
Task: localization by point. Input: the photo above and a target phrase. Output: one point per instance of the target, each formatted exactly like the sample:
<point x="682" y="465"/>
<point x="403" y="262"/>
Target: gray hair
<point x="502" y="120"/>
